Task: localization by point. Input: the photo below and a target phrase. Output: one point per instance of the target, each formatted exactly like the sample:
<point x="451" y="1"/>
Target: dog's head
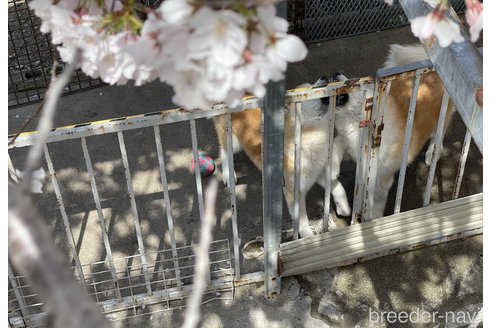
<point x="315" y="109"/>
<point x="352" y="102"/>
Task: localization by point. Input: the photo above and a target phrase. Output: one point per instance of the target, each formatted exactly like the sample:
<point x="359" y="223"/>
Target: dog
<point x="246" y="131"/>
<point x="427" y="111"/>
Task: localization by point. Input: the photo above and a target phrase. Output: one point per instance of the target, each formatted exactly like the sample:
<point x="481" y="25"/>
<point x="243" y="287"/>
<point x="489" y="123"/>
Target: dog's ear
<point x="339" y="77"/>
<point x="322" y="82"/>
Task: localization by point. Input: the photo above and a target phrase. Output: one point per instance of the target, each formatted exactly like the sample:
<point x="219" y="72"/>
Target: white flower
<point x="207" y="56"/>
<point x="434" y="23"/>
<point x="219" y="34"/>
<point x="474" y="18"/>
<point x="175" y="11"/>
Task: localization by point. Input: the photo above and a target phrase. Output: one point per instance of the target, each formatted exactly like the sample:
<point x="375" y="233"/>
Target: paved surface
<point x="444" y="279"/>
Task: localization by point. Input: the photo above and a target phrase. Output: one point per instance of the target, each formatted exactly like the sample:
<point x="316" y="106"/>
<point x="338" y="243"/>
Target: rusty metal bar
<point x="297" y="167"/>
<point x="331" y="130"/>
<point x="360" y="171"/>
<point x="382" y="90"/>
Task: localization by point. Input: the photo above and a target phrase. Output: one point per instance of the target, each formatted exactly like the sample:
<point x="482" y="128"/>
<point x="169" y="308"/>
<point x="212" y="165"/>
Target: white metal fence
<point x="164" y="275"/>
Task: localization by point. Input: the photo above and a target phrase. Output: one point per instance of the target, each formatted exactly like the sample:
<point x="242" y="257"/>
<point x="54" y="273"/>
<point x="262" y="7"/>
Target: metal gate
<point x="150" y="279"/>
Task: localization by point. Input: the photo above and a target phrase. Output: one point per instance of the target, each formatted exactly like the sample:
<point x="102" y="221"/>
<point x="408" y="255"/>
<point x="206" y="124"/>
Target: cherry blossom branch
<point x="45" y="123"/>
<point x="202" y="268"/>
<point x="33" y="254"/>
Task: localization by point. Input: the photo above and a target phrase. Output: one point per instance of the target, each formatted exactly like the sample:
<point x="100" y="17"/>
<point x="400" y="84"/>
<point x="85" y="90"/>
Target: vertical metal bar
<point x="297" y="168"/>
<point x="360" y="171"/>
<point x="232" y="195"/>
<point x="461" y="165"/>
<point x="331" y="130"/>
<point x="131" y="194"/>
<point x="273" y="160"/>
<point x="406" y="145"/>
<point x="167" y="203"/>
<point x="64" y="215"/>
<point x="437" y="147"/>
<point x="100" y="215"/>
<point x="198" y="179"/>
<point x="381" y="94"/>
<point x="18" y="295"/>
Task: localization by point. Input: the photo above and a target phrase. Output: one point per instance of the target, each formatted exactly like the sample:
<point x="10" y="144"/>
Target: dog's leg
<point x="430" y="149"/>
<point x="304" y="228"/>
<point x="383" y="185"/>
<point x="225" y="168"/>
<point x="337" y="190"/>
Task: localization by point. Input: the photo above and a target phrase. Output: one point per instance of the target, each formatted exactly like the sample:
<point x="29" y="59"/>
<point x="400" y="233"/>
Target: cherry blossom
<point x="436" y="23"/>
<point x="207" y="54"/>
<point x="474" y="18"/>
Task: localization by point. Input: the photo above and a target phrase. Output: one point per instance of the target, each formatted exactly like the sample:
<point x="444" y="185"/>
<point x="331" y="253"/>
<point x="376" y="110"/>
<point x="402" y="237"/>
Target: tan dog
<point x="427" y="111"/>
<point x="246" y="129"/>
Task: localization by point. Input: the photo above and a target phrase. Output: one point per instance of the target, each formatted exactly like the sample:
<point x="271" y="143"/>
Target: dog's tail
<point x="400" y="55"/>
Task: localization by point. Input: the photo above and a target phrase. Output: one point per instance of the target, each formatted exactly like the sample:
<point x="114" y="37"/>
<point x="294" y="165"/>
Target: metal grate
<point x="129" y="290"/>
<point x="31" y="58"/>
<point x="325" y="20"/>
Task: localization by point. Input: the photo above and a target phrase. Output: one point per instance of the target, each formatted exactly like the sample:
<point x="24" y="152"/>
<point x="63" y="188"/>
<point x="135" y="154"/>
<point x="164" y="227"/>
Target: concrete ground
<point x="444" y="280"/>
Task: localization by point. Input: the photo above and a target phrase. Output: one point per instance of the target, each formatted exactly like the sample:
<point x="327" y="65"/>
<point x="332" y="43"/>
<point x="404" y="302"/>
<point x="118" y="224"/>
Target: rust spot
<point x="280" y="267"/>
<point x="364" y="123"/>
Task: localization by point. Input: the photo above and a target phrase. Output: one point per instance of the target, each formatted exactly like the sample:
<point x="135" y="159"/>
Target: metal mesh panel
<point x="129" y="292"/>
<point x="31" y="58"/>
<point x="327" y="19"/>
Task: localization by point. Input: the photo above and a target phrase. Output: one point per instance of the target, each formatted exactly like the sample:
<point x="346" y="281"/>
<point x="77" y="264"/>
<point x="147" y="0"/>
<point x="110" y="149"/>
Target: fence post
<point x="273" y="114"/>
<point x="273" y="151"/>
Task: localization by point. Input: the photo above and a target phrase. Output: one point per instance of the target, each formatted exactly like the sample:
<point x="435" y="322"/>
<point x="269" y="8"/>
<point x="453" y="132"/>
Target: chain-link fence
<point x="31" y="58"/>
<point x="328" y="19"/>
<point x="31" y="54"/>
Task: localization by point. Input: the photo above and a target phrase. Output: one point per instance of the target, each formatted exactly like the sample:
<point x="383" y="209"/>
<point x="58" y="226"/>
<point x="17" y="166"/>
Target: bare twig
<point x="46" y="120"/>
<point x="31" y="249"/>
<point x="33" y="253"/>
<point x="202" y="269"/>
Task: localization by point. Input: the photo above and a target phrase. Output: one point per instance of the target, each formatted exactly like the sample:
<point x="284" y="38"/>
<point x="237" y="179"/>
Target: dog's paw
<point x="225" y="178"/>
<point x="331" y="224"/>
<point x="343" y="209"/>
<point x="428" y="156"/>
<point x="305" y="232"/>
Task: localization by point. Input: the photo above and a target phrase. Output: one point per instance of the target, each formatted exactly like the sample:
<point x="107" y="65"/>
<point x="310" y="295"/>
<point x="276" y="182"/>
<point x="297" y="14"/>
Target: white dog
<point x="246" y="129"/>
